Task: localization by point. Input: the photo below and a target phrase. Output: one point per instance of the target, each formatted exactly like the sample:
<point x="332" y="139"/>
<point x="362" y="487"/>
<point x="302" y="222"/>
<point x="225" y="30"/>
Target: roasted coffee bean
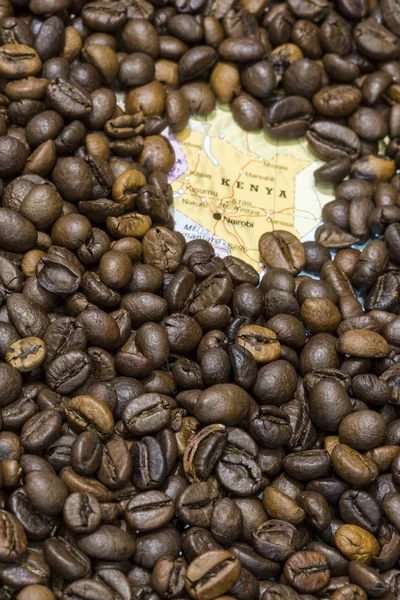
<point x="329" y="403"/>
<point x="280" y="506"/>
<point x="254" y="562"/>
<point x="334" y="171"/>
<point x="26" y="354"/>
<point x="239" y="469"/>
<point x="69" y="100"/>
<point x="66" y="558"/>
<point x="375" y="40"/>
<point x="82" y="512"/>
<point x="151" y="546"/>
<point x="150" y="463"/>
<point x="226" y="521"/>
<point x="333" y="141"/>
<point x="314" y="464"/>
<point x="149" y="510"/>
<point x="195" y="504"/>
<point x="108" y="542"/>
<point x="103" y="17"/>
<point x="372" y="582"/>
<point x="269" y="425"/>
<point x="213" y="572"/>
<point x="337" y="100"/>
<point x="360" y="508"/>
<point x="261" y="342"/>
<point x="274" y="539"/>
<point x="41" y="430"/>
<point x="307" y="571"/>
<point x="288" y="118"/>
<point x="281" y="250"/>
<point x="224" y="403"/>
<point x="18" y="60"/>
<point x="11" y="384"/>
<point x="88" y="413"/>
<point x="203" y="451"/>
<point x="147" y="414"/>
<point x="13" y="538"/>
<point x="356" y="543"/>
<point x="352" y="466"/>
<point x="46" y="492"/>
<point x="362" y="430"/>
<point x="116" y="464"/>
<point x="260" y="438"/>
<point x="363" y="343"/>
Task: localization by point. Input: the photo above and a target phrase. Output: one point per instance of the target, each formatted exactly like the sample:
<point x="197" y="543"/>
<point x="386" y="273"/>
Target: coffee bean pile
<point x="171" y="427"/>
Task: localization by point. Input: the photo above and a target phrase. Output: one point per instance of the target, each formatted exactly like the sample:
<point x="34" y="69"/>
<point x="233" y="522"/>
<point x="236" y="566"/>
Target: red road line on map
<point x="222" y="200"/>
<point x="247" y="216"/>
<point x="240" y="242"/>
<point x="292" y="208"/>
<point x="197" y="164"/>
<point x="274" y="212"/>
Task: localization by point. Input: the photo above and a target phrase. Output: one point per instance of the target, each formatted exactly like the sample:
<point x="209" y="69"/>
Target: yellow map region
<point x="238" y="185"/>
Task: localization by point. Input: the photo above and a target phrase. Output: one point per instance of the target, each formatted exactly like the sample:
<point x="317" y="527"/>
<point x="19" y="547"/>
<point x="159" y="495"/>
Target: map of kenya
<point x="231" y="186"/>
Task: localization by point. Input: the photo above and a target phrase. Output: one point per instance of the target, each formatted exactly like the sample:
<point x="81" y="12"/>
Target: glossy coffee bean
<point x="171" y="426"/>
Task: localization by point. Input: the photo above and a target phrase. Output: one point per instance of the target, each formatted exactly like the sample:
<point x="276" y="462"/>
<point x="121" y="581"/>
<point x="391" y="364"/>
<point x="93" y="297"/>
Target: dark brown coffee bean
<point x="269" y="425"/>
<point x="307" y="465"/>
<point x="69" y="100"/>
<point x="332" y="141"/>
<point x="13" y="538"/>
<point x="195" y="62"/>
<point x="140" y="36"/>
<point x="101" y="16"/>
<point x="375" y="41"/>
<point x="88" y="589"/>
<point x="200" y="97"/>
<point x="288" y="118"/>
<point x="258" y="79"/>
<point x="149" y="510"/>
<point x="66" y="558"/>
<point x="360" y="508"/>
<point x="334" y="171"/>
<point x="108" y="542"/>
<point x="203" y="451"/>
<point x="73" y="179"/>
<point x="325" y="413"/>
<point x="150" y="546"/>
<point x="274" y="539"/>
<point x="281" y="250"/>
<point x="46" y="492"/>
<point x="223" y="403"/>
<point x="297" y="571"/>
<point x="147" y="414"/>
<point x="337" y="100"/>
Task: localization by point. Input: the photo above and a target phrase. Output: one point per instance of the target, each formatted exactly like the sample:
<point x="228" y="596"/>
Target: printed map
<point x="231" y="186"/>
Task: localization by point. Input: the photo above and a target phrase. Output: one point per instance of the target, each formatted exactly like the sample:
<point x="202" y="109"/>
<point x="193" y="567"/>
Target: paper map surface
<point x="231" y="186"/>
